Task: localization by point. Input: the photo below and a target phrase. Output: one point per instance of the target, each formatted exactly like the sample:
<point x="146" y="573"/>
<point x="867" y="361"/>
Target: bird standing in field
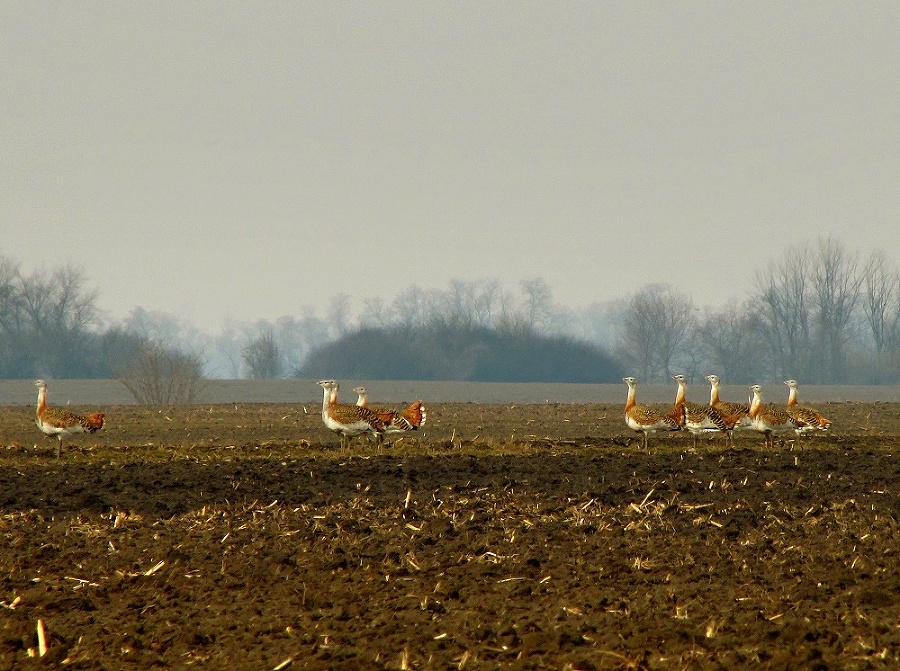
<point x="60" y="423"/>
<point x="736" y="415"/>
<point x="696" y="417"/>
<point x="643" y="418"/>
<point x="768" y="419"/>
<point x="409" y="419"/>
<point x="807" y="419"/>
<point x="347" y="420"/>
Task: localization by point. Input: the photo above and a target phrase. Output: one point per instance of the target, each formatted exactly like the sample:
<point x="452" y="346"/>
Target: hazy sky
<point x="246" y="159"/>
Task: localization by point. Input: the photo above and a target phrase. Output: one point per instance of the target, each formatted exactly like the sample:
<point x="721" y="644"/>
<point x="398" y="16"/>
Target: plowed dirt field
<point x="537" y="536"/>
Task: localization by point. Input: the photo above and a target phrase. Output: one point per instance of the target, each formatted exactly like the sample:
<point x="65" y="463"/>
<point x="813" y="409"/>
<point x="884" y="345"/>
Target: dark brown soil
<point x="520" y="537"/>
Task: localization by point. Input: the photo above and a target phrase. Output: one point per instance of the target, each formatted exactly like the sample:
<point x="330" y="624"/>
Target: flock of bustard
<point x="349" y="421"/>
<point x="723" y="416"/>
<point x="345" y="420"/>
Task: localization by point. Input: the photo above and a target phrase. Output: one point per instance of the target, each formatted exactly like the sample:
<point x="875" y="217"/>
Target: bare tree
<point x="537" y="304"/>
<point x="782" y="303"/>
<point x="227" y="346"/>
<point x="458" y="305"/>
<point x="732" y="342"/>
<point x="297" y="337"/>
<point x="262" y="355"/>
<point x="836" y="284"/>
<point x="339" y="314"/>
<point x="486" y="294"/>
<point x="57" y="313"/>
<point x="376" y="313"/>
<point x="14" y="353"/>
<point x="410" y="308"/>
<point x="466" y="304"/>
<point x="10" y="296"/>
<point x="58" y="302"/>
<point x="655" y="329"/>
<point x="881" y="305"/>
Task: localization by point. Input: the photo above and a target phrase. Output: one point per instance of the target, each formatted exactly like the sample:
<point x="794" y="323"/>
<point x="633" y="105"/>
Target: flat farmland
<point x="518" y="533"/>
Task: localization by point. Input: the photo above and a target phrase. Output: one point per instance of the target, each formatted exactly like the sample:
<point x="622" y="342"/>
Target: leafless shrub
<point x="161" y="376"/>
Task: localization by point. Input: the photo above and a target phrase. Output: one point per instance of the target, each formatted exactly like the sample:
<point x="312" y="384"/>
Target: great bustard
<point x="736" y="415"/>
<point x="410" y="418"/>
<point x="696" y="417"/>
<point x="768" y="419"/>
<point x="642" y="418"/>
<point x="60" y="423"/>
<point x="807" y="419"/>
<point x="346" y="420"/>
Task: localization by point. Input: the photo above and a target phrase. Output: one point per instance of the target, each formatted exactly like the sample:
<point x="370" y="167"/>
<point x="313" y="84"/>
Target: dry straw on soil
<point x="504" y="536"/>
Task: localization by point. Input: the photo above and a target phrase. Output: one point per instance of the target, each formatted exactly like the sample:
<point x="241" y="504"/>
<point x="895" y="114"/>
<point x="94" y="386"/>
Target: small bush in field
<point x="161" y="376"/>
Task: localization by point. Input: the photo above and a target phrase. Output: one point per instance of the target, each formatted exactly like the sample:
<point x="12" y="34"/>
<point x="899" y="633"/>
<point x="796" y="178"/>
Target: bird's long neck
<point x="792" y="396"/>
<point x="679" y="395"/>
<point x="755" y="403"/>
<point x="42" y="400"/>
<point x="363" y="399"/>
<point x="329" y="398"/>
<point x="630" y="402"/>
<point x="714" y="394"/>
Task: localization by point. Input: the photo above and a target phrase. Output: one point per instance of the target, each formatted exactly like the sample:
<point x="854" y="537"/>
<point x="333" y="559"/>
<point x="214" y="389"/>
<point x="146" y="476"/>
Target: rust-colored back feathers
<point x="807" y="419"/>
<point x="735" y="415"/>
<point x="696" y="417"/>
<point x="767" y="418"/>
<point x="410" y="418"/>
<point x="347" y="420"/>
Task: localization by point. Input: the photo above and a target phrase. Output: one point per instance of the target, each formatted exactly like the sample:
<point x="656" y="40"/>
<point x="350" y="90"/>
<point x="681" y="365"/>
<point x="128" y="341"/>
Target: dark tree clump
<point x="476" y="354"/>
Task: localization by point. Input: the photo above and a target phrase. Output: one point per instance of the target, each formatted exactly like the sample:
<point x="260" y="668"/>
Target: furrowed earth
<point x="515" y="536"/>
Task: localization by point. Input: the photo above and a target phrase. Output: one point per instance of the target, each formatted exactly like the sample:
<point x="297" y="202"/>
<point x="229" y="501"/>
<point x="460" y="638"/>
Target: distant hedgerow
<point x="477" y="354"/>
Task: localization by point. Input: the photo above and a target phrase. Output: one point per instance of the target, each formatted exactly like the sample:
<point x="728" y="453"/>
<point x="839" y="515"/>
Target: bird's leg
<point x="58" y="446"/>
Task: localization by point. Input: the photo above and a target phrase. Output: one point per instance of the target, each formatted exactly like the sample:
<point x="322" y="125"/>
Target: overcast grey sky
<point x="245" y="159"/>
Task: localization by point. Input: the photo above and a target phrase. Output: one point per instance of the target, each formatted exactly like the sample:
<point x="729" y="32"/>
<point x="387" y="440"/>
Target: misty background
<point x="218" y="177"/>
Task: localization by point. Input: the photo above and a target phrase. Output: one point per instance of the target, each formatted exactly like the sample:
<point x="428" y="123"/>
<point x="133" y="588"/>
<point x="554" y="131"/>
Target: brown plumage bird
<point x="643" y="418"/>
<point x="59" y="423"/>
<point x="736" y="415"/>
<point x="697" y="417"/>
<point x="347" y="420"/>
<point x="769" y="419"/>
<point x="409" y="419"/>
<point x="807" y="419"/>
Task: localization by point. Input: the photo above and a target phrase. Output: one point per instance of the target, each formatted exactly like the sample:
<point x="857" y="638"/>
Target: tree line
<point x="51" y="327"/>
<point x="820" y="312"/>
